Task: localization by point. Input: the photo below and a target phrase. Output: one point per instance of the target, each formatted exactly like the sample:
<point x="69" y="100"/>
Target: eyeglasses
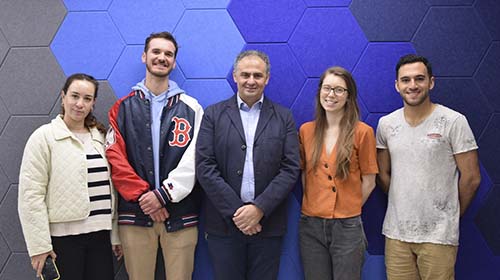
<point x="338" y="91"/>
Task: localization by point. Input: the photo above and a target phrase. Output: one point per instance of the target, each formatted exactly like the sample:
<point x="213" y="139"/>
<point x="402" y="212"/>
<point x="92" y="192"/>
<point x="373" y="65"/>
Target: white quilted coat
<point x="53" y="183"/>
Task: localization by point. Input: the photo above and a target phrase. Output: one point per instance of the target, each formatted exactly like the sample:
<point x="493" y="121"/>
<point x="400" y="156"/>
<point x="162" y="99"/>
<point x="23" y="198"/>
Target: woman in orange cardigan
<point x="338" y="157"/>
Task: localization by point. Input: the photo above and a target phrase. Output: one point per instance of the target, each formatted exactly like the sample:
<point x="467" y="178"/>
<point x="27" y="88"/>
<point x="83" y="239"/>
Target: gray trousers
<point x="332" y="248"/>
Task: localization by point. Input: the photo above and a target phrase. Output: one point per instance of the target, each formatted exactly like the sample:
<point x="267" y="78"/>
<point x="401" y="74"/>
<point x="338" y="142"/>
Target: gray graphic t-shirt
<point x="423" y="195"/>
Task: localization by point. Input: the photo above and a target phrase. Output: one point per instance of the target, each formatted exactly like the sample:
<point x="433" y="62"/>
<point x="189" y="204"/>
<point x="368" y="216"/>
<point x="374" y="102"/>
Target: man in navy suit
<point x="247" y="161"/>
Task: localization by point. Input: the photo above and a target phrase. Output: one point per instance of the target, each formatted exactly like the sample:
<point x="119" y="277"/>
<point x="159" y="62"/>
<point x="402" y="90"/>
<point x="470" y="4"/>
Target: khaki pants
<point x="140" y="245"/>
<point x="426" y="261"/>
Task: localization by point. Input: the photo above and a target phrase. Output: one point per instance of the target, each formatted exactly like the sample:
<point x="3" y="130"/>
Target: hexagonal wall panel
<point x="375" y="76"/>
<point x="338" y="42"/>
<point x="30" y="80"/>
<point x="489" y="151"/>
<point x="10" y="227"/>
<point x="4" y="47"/>
<point x="121" y="273"/>
<point x="450" y="2"/>
<point x="87" y="5"/>
<point x="266" y="21"/>
<point x="154" y="17"/>
<point x="373" y="214"/>
<point x="130" y="70"/>
<point x="118" y="268"/>
<point x="489" y="12"/>
<point x="4" y="185"/>
<point x="14" y="136"/>
<point x="388" y="20"/>
<point x="474" y="251"/>
<point x="373" y="118"/>
<point x="487" y="75"/>
<point x="488" y="222"/>
<point x="363" y="111"/>
<point x="200" y="4"/>
<point x="89" y="43"/>
<point x="454" y="39"/>
<point x="290" y="256"/>
<point x="177" y="76"/>
<point x="4" y="251"/>
<point x="203" y="55"/>
<point x="4" y="115"/>
<point x="463" y="95"/>
<point x="327" y="3"/>
<point x="32" y="24"/>
<point x="208" y="91"/>
<point x="374" y="267"/>
<point x="105" y="99"/>
<point x="296" y="195"/>
<point x="18" y="267"/>
<point x="284" y="66"/>
<point x="303" y="107"/>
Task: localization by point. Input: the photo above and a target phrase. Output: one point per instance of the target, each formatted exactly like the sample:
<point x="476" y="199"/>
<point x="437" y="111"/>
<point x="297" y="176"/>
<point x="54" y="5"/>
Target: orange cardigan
<point x="326" y="196"/>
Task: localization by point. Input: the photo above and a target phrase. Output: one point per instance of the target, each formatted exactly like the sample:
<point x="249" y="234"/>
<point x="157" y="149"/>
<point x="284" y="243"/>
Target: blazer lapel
<point x="234" y="115"/>
<point x="265" y="115"/>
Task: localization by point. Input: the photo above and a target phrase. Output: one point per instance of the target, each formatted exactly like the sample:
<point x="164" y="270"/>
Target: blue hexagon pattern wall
<point x="45" y="41"/>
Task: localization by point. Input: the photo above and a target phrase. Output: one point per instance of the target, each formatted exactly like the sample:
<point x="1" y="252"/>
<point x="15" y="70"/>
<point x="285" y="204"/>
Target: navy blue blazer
<point x="220" y="156"/>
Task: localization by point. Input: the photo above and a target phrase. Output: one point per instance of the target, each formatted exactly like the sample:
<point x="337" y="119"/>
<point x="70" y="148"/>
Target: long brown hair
<point x="347" y="123"/>
<point x="90" y="119"/>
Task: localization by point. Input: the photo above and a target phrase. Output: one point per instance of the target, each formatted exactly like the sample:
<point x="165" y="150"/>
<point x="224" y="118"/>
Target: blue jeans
<point x="332" y="248"/>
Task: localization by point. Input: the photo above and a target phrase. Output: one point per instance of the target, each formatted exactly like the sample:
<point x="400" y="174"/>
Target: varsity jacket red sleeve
<point x="125" y="180"/>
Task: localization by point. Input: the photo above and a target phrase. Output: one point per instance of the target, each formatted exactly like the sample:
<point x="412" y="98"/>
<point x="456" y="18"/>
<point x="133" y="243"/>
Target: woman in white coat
<point x="66" y="200"/>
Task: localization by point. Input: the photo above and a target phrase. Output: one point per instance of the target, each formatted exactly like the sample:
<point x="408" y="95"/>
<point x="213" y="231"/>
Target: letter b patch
<point x="181" y="132"/>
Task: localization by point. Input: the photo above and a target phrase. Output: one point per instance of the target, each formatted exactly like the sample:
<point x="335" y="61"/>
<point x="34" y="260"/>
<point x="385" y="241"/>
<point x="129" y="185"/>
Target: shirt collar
<point x="244" y="106"/>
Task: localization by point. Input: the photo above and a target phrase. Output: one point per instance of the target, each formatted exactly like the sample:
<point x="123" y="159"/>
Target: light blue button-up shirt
<point x="249" y="119"/>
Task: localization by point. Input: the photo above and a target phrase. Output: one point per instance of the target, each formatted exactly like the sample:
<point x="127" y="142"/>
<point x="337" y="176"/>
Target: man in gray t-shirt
<point x="422" y="147"/>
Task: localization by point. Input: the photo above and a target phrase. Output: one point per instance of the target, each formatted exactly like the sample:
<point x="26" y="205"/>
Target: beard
<point x="158" y="74"/>
<point x="415" y="102"/>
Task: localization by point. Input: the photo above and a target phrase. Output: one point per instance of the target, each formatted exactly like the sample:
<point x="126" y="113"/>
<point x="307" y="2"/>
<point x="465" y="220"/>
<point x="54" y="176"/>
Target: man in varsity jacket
<point x="151" y="150"/>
